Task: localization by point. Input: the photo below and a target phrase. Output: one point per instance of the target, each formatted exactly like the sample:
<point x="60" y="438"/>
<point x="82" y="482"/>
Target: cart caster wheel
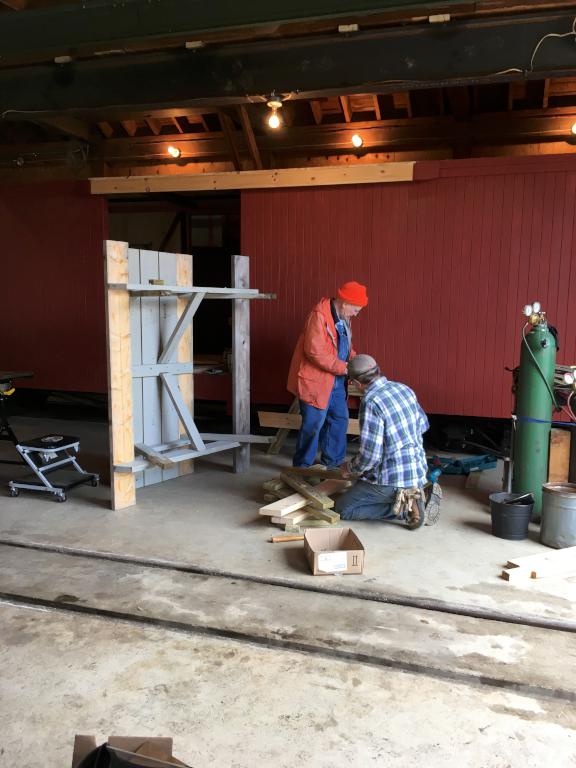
<point x="95" y="482"/>
<point x="14" y="492"/>
<point x="61" y="497"/>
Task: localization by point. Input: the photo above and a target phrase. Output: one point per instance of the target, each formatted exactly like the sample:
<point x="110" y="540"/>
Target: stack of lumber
<point x="302" y="498"/>
<point x="556" y="562"/>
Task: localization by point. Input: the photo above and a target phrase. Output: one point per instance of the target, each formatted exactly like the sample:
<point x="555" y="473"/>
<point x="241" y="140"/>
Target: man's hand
<point x="345" y="470"/>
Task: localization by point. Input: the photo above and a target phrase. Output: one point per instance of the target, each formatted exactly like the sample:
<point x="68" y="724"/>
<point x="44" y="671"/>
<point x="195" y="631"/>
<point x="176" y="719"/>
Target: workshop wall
<point x="449" y="261"/>
<point x="53" y="319"/>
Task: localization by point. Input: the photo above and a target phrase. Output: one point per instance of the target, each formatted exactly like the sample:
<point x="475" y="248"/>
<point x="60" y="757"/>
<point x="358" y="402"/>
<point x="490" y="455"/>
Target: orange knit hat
<point x="353" y="293"/>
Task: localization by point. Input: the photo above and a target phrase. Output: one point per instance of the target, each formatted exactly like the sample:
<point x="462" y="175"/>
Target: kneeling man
<point x="391" y="464"/>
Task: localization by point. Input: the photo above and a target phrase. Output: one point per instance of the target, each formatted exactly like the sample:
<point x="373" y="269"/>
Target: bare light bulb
<point x="357" y="140"/>
<point x="174" y="152"/>
<point x="573" y="129"/>
<point x="274" y="120"/>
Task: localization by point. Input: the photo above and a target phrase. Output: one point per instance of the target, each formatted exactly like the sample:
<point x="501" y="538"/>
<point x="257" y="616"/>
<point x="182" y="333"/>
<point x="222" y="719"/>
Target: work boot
<point x="433" y="499"/>
<point x="416" y="516"/>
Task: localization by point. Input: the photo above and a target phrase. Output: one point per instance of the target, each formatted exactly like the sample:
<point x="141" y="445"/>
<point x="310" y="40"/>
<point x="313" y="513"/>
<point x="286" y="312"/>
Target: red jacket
<point x="315" y="361"/>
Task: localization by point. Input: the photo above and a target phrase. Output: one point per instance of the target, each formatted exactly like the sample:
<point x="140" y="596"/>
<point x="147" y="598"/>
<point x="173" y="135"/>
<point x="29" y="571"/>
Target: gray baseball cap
<point x="361" y="364"/>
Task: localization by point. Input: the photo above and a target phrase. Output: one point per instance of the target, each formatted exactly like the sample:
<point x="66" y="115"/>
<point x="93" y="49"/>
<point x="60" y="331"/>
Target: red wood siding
<point x="53" y="285"/>
<point x="449" y="261"/>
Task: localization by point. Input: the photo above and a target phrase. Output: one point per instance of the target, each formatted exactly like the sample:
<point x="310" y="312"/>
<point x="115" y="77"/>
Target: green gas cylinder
<point x="534" y="407"/>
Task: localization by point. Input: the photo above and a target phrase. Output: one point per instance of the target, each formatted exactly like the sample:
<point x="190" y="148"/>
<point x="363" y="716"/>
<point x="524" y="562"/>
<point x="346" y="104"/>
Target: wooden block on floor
<point x="316" y="496"/>
<point x="313" y="522"/>
<point x="282" y="507"/>
<point x="295" y="517"/>
<point x="292" y="529"/>
<point x="516" y="574"/>
<point x="325" y="514"/>
<point x="273" y="485"/>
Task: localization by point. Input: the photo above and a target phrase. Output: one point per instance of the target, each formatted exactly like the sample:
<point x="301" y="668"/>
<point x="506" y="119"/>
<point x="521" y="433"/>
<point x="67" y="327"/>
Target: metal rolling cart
<point x="47" y="455"/>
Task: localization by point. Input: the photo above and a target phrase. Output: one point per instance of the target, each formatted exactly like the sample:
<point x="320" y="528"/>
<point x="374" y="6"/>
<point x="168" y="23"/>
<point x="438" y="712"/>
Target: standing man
<point x="391" y="464"/>
<point x="317" y="376"/>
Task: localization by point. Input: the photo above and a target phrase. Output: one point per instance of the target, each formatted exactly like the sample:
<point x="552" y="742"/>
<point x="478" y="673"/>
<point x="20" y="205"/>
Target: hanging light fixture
<point x="357" y="140"/>
<point x="174" y="152"/>
<point x="274" y="103"/>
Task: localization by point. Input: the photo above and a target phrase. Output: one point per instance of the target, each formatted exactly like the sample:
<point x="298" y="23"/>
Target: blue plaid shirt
<point x="391" y="427"/>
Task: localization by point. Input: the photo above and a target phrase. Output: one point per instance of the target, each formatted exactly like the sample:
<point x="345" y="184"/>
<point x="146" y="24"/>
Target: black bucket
<point x="509" y="520"/>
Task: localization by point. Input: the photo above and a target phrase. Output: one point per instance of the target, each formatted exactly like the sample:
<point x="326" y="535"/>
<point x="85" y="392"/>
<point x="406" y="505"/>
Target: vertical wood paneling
<point x="449" y="262"/>
<point x="53" y="318"/>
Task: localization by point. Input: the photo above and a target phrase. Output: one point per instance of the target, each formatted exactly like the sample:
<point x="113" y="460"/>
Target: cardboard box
<point x="154" y="752"/>
<point x="333" y="550"/>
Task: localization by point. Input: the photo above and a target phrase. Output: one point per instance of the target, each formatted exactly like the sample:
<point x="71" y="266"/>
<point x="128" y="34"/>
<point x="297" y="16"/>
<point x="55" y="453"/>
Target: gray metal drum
<point x="558" y="526"/>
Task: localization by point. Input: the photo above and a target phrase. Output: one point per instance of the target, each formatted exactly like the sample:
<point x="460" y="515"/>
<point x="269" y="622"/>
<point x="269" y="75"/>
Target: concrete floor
<point x="245" y="674"/>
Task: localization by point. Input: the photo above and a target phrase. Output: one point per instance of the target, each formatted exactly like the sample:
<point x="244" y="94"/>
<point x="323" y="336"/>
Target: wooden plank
<point x="319" y="471"/>
<point x="171" y="385"/>
<point x="315" y="496"/>
<point x="284" y="506"/>
<point x="325" y="487"/>
<point x="136" y="349"/>
<point x="151" y="389"/>
<point x="559" y="458"/>
<point x="154" y="457"/>
<point x="294" y="517"/>
<point x="346" y="108"/>
<point x="168" y="319"/>
<point x="142" y="371"/>
<point x="250" y="137"/>
<point x="376" y="173"/>
<point x="282" y="434"/>
<point x="141" y="465"/>
<point x="123" y="488"/>
<point x="293" y="421"/>
<point x="241" y="361"/>
<point x="529" y="561"/>
<point x="259" y="439"/>
<point x="229" y="130"/>
<point x="326" y="514"/>
<point x="316" y="523"/>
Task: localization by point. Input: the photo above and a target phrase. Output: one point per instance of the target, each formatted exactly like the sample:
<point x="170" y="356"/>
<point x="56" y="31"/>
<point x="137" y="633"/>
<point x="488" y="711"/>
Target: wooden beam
<point x="293" y="421"/>
<point x="316" y="108"/>
<point x="70" y="126"/>
<point x="248" y="130"/>
<point x="229" y="131"/>
<point x="106" y="129"/>
<point x="377" y="111"/>
<point x="285" y="177"/>
<point x="123" y="487"/>
<point x="185" y="346"/>
<point x="177" y="125"/>
<point x="346" y="110"/>
<point x="545" y="93"/>
<point x="154" y="125"/>
<point x="130" y="126"/>
<point x="241" y="362"/>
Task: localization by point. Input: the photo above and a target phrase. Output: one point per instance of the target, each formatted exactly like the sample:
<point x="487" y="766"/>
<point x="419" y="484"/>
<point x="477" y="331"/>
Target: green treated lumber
<point x="315" y="497"/>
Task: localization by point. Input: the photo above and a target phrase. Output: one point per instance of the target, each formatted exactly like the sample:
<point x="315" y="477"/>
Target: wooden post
<point x="241" y="362"/>
<point x="185" y="347"/>
<point x="123" y="486"/>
